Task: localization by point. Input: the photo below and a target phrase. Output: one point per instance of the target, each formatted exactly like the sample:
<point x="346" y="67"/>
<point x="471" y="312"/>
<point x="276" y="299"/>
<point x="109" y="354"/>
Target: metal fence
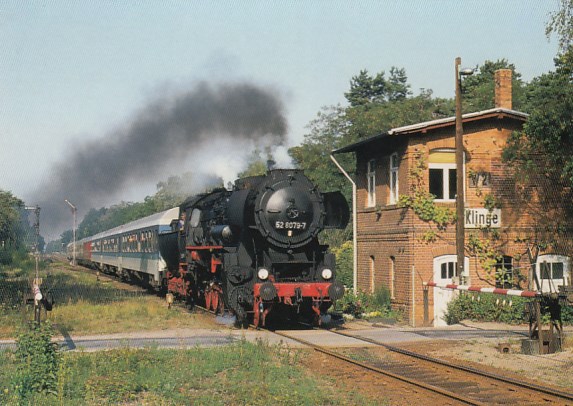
<point x="16" y="292"/>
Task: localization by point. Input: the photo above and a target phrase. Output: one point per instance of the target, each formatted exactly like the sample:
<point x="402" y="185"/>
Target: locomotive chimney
<point x="503" y="89"/>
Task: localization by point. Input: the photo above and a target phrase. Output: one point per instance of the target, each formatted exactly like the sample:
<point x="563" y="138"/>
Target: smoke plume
<point x="168" y="136"/>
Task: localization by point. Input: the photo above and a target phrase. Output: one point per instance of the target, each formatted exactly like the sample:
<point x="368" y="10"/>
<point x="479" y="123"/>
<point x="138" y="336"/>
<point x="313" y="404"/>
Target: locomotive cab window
<point x="195" y="218"/>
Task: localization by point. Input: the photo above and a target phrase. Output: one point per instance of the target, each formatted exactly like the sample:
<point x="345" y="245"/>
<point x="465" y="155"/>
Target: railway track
<point x="460" y="383"/>
<point x="463" y="384"/>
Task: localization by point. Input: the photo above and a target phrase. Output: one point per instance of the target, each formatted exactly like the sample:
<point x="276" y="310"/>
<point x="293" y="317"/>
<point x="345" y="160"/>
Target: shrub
<point x="492" y="308"/>
<point x="37" y="358"/>
<point x="365" y="305"/>
<point x="344" y="264"/>
<point x="567" y="314"/>
<point x="487" y="308"/>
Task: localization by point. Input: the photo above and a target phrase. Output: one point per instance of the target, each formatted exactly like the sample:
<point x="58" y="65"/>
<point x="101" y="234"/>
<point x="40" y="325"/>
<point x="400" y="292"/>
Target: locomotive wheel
<point x="214" y="299"/>
<point x="235" y="297"/>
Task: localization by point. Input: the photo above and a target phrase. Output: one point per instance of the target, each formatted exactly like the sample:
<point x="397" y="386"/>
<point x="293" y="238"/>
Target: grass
<point x="239" y="374"/>
<point x="85" y="305"/>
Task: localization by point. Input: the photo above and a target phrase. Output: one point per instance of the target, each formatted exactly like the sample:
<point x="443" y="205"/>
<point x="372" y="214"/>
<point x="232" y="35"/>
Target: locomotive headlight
<point x="263" y="274"/>
<point x="326" y="274"/>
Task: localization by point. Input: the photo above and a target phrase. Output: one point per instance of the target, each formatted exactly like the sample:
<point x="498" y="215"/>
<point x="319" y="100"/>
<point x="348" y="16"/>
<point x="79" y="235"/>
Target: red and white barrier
<point x="37" y="293"/>
<point x="478" y="289"/>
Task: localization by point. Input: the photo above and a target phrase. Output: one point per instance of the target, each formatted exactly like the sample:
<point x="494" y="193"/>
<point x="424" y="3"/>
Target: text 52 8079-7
<point x="290" y="225"/>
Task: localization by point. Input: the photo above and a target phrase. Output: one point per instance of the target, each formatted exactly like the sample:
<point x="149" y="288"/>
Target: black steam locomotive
<point x="255" y="249"/>
<point x="249" y="250"/>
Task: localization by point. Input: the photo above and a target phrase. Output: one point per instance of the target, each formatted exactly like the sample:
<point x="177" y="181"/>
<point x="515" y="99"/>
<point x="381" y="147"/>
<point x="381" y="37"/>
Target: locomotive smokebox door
<point x="288" y="211"/>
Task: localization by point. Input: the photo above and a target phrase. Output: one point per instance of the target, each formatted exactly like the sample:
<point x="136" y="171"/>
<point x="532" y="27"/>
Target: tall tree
<point x="561" y="23"/>
<point x="366" y="89"/>
<point x="546" y="142"/>
<point x="10" y="220"/>
<point x="479" y="89"/>
<point x="327" y="132"/>
<point x="372" y="119"/>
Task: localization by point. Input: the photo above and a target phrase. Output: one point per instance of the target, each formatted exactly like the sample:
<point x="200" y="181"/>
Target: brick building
<point x="398" y="246"/>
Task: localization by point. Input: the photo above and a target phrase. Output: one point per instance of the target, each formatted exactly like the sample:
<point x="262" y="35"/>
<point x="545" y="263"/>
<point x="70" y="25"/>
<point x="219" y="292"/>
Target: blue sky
<point x="71" y="71"/>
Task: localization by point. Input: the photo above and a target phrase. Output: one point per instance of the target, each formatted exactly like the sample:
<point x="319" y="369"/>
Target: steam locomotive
<point x="252" y="250"/>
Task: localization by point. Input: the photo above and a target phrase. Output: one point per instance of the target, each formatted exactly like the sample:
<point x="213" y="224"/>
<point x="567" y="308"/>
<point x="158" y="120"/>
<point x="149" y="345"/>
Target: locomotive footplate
<point x="306" y="289"/>
<point x="268" y="293"/>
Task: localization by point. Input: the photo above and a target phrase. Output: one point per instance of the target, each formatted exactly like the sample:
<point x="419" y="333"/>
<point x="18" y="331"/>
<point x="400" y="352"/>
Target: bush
<point x="567" y="315"/>
<point x="486" y="308"/>
<point x="345" y="264"/>
<point x="37" y="358"/>
<point x="492" y="308"/>
<point x="367" y="305"/>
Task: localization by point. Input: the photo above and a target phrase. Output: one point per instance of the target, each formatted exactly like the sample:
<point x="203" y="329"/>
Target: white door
<point x="445" y="269"/>
<point x="552" y="271"/>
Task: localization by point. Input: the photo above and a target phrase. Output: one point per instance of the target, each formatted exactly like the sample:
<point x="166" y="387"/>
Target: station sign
<point x="482" y="218"/>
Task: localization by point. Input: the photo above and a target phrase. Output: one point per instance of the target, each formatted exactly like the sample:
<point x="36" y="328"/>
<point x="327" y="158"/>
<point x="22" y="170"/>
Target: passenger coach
<point x="131" y="250"/>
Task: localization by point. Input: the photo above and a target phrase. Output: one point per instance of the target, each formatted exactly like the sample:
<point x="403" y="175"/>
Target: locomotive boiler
<point x="254" y="250"/>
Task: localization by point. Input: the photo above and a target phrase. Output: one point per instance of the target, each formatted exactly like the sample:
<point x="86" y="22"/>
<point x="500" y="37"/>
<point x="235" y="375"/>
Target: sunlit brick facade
<point x="399" y="250"/>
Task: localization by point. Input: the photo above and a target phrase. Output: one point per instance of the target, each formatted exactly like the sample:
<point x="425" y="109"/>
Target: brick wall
<point x="390" y="235"/>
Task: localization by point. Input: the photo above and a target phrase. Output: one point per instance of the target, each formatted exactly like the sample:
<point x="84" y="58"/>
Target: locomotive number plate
<point x="290" y="225"/>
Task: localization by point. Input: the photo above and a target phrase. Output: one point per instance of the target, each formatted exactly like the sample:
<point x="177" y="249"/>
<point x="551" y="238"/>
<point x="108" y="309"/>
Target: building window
<point x="394" y="164"/>
<point x="552" y="271"/>
<point x="442" y="174"/>
<point x="392" y="277"/>
<point x="504" y="273"/>
<point x="448" y="270"/>
<point x="372" y="273"/>
<point x="371" y="178"/>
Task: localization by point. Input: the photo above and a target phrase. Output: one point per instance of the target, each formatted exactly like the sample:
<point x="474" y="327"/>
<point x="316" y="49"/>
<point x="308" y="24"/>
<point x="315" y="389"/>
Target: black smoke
<point x="158" y="140"/>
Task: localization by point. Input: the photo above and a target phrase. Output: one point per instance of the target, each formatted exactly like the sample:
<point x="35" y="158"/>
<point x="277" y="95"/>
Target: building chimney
<point x="503" y="89"/>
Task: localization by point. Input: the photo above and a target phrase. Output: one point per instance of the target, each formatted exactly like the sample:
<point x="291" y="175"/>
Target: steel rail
<point x="402" y="378"/>
<point x="516" y="382"/>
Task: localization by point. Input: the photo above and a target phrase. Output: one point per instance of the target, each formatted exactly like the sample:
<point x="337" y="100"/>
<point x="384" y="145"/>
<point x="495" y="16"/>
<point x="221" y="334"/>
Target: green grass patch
<point x="136" y="314"/>
<point x="239" y="374"/>
<point x="86" y="305"/>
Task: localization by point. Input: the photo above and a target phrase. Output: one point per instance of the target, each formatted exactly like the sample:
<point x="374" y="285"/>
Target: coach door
<point x="445" y="270"/>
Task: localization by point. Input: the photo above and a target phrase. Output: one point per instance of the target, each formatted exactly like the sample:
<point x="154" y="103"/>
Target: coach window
<point x="371" y="180"/>
<point x="154" y="240"/>
<point x="442" y="174"/>
<point x="552" y="271"/>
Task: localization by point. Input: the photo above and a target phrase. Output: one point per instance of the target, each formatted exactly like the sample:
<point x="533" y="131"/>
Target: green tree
<point x="546" y="142"/>
<point x="256" y="165"/>
<point x="561" y="23"/>
<point x="170" y="193"/>
<point x="11" y="232"/>
<point x="367" y="120"/>
<point x="479" y="89"/>
<point x="327" y="132"/>
<point x="366" y="89"/>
